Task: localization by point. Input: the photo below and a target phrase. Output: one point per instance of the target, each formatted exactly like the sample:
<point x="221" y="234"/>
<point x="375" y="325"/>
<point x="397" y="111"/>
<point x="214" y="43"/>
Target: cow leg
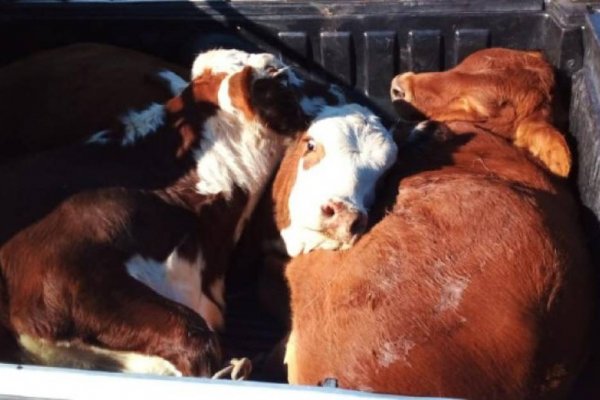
<point x="84" y="356"/>
<point x="129" y="316"/>
<point x="116" y="312"/>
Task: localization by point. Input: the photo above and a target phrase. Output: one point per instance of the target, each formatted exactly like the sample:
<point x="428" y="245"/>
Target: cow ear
<point x="546" y="143"/>
<point x="277" y="106"/>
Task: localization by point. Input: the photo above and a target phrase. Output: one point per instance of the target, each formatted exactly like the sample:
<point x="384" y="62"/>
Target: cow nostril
<point x="397" y="93"/>
<point x="359" y="225"/>
<point x="328" y="211"/>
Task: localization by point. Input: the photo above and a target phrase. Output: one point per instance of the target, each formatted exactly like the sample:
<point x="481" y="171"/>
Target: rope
<point x="239" y="369"/>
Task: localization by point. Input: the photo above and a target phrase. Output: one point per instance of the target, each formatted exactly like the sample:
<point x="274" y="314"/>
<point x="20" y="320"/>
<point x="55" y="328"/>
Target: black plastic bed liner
<point x="359" y="44"/>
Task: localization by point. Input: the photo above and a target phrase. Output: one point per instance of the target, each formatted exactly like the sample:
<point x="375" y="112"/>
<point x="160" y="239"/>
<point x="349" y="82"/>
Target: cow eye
<point x="310" y="145"/>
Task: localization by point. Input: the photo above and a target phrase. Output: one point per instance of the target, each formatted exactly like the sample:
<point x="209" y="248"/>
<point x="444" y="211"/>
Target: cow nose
<point x="400" y="87"/>
<point x="397" y="91"/>
<point x="345" y="220"/>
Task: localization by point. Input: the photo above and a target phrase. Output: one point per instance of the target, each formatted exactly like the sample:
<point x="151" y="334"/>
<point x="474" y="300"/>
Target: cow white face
<point x="337" y="165"/>
<point x="230" y="61"/>
<point x="313" y="96"/>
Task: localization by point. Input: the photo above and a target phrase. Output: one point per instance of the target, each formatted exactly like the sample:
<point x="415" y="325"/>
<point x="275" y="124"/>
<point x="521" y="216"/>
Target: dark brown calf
<point x="474" y="282"/>
<point x="152" y="200"/>
<point x="62" y="95"/>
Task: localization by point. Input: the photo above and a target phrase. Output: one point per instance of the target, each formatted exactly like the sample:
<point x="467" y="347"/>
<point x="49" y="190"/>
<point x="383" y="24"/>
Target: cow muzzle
<point x="400" y="87"/>
<point x="343" y="222"/>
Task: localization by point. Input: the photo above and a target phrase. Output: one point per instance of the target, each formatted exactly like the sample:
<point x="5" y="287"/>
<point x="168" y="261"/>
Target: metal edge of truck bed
<point x="29" y="382"/>
<point x="248" y="8"/>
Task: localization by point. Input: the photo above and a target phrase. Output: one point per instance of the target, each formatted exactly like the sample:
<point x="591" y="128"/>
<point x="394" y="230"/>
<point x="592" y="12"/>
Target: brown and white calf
<point x="161" y="199"/>
<point x="473" y="281"/>
<point x="355" y="145"/>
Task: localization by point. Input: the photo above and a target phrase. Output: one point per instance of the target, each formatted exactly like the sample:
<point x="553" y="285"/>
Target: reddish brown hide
<point x="474" y="283"/>
<point x="506" y="91"/>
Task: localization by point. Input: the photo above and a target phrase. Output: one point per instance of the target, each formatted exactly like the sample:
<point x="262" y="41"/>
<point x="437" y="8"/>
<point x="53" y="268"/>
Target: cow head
<point x="497" y="86"/>
<point x="252" y="87"/>
<point x="236" y="116"/>
<point x="230" y="61"/>
<point x="326" y="181"/>
<point x="312" y="95"/>
<point x="508" y="92"/>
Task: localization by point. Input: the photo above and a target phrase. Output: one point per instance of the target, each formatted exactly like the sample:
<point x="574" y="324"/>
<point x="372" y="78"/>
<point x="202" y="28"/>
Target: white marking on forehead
<point x="231" y="61"/>
<point x="174" y="82"/>
<point x="357" y="151"/>
<point x="139" y="124"/>
<point x="352" y="129"/>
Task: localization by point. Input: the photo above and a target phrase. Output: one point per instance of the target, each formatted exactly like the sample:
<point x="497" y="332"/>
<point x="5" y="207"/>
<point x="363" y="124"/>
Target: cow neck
<point x="230" y="162"/>
<point x="187" y="118"/>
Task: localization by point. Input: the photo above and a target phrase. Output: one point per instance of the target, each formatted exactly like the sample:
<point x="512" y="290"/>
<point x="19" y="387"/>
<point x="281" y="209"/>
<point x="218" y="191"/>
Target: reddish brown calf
<point x="506" y="91"/>
<point x="474" y="282"/>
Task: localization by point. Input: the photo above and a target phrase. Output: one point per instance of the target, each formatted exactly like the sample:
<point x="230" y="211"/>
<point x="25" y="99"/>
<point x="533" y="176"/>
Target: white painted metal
<point x="29" y="382"/>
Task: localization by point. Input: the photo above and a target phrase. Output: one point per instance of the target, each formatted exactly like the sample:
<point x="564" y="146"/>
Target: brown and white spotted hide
<point x="161" y="199"/>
